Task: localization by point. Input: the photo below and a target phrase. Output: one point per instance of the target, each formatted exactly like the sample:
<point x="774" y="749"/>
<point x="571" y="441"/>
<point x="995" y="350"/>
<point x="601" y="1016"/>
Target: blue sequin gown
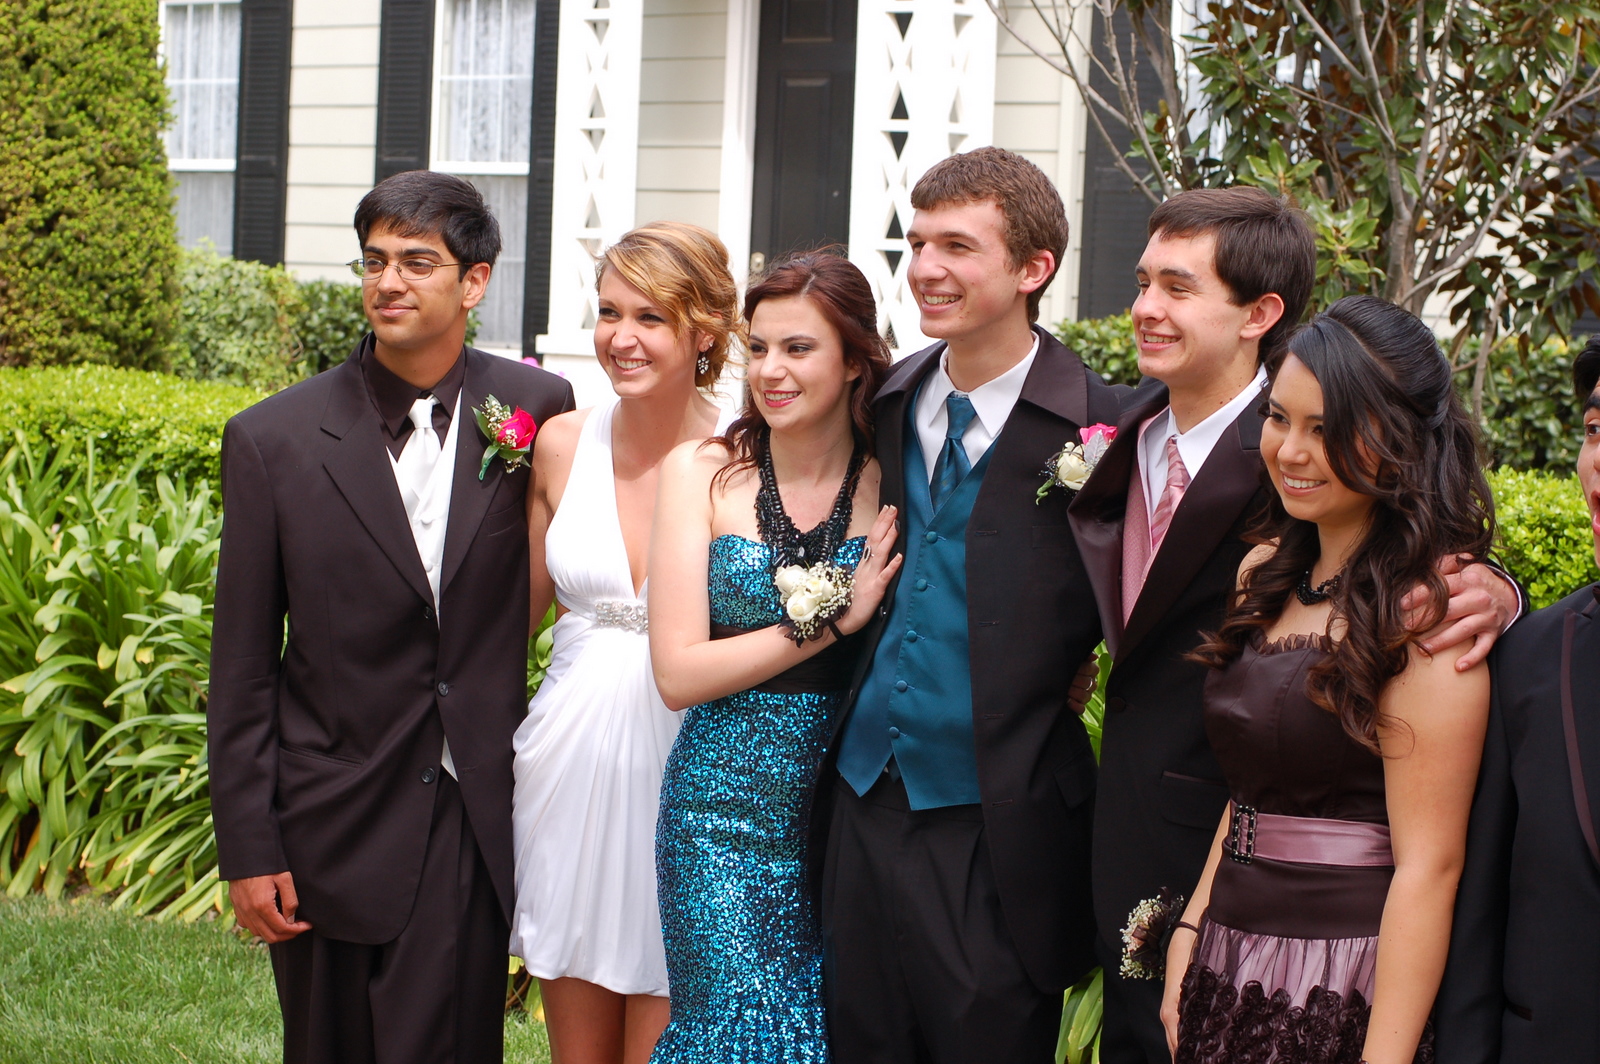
<point x="744" y="952"/>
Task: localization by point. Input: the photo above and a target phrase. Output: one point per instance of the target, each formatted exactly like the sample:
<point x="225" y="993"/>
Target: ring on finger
<point x="866" y="555"/>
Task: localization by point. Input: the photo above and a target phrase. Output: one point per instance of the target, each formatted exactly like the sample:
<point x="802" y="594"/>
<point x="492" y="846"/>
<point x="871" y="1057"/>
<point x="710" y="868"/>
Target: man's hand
<point x="1482" y="603"/>
<point x="1082" y="688"/>
<point x="266" y="906"/>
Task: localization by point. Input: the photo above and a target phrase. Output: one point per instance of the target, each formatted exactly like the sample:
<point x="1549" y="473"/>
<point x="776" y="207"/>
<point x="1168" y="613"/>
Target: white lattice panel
<point x="924" y="90"/>
<point x="596" y="157"/>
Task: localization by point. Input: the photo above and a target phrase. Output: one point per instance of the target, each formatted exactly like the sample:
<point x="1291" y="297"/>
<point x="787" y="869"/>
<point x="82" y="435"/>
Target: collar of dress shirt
<point x="393" y="396"/>
<point x="992" y="401"/>
<point x="1194" y="446"/>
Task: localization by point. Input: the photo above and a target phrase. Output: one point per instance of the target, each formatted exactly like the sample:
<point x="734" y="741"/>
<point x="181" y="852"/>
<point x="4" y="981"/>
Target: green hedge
<point x="88" y="245"/>
<point x="1105" y="345"/>
<point x="126" y="413"/>
<point x="1545" y="539"/>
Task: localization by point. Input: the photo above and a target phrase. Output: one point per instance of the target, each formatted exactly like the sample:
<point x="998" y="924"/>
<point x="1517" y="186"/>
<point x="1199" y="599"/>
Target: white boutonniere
<point x="1071" y="467"/>
<point x="813" y="598"/>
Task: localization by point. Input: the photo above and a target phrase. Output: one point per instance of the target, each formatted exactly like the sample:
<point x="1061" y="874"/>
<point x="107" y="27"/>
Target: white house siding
<point x="333" y="117"/>
<point x="680" y="110"/>
<point x="1038" y="114"/>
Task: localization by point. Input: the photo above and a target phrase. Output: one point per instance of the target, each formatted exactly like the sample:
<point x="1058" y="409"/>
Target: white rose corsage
<point x="1071" y="466"/>
<point x="813" y="598"/>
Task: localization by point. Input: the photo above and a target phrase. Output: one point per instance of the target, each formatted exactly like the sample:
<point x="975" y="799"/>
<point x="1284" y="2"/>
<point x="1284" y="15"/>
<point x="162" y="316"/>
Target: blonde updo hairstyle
<point x="683" y="270"/>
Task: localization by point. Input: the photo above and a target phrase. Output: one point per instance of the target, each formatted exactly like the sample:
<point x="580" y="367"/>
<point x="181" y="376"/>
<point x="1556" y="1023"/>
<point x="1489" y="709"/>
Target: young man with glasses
<point x="361" y="756"/>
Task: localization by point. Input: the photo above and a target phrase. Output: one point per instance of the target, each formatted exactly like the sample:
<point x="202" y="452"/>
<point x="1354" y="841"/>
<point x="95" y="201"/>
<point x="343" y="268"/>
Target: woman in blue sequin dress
<point x="744" y="951"/>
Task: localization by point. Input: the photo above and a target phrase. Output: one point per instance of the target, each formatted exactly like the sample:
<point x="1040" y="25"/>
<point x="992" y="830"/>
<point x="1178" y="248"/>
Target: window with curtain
<point x="482" y="130"/>
<point x="200" y="44"/>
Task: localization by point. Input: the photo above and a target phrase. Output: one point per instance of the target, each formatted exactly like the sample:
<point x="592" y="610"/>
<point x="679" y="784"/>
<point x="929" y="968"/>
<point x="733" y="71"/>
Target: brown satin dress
<point x="1284" y="968"/>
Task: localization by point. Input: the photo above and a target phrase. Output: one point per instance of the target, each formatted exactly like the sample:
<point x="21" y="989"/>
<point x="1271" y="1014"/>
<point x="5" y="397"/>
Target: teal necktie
<point x="952" y="465"/>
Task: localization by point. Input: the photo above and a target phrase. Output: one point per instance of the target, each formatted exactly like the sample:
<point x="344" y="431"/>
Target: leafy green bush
<point x="105" y="638"/>
<point x="1530" y="415"/>
<point x="125" y="412"/>
<point x="237" y="322"/>
<point x="88" y="245"/>
<point x="1105" y="344"/>
<point x="1545" y="539"/>
<point x="330" y="325"/>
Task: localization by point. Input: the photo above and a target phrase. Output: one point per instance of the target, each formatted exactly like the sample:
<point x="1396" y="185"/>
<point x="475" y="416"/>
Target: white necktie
<point x="415" y="468"/>
<point x="419" y="456"/>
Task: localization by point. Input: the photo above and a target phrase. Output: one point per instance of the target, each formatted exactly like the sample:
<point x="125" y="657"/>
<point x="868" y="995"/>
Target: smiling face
<point x="798" y="373"/>
<point x="1589" y="466"/>
<point x="1189" y="331"/>
<point x="412" y="316"/>
<point x="1297" y="460"/>
<point x="961" y="273"/>
<point x="637" y="345"/>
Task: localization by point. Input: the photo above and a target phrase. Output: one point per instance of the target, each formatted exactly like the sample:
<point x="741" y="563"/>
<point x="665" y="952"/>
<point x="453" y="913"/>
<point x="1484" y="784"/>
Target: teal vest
<point x="916" y="701"/>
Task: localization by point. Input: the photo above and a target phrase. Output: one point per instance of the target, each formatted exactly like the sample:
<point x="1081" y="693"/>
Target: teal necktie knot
<point x="952" y="466"/>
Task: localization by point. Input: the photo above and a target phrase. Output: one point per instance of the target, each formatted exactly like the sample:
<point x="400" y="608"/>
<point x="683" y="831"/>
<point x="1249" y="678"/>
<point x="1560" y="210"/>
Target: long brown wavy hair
<point x="1394" y="429"/>
<point x="839" y="290"/>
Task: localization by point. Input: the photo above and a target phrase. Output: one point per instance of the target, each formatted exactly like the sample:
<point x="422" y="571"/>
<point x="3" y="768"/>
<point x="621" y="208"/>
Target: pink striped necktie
<point x="1171" y="496"/>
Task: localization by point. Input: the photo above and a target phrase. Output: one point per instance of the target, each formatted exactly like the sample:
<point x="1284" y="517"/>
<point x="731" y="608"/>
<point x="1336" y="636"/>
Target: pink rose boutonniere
<point x="1070" y="467"/>
<point x="510" y="433"/>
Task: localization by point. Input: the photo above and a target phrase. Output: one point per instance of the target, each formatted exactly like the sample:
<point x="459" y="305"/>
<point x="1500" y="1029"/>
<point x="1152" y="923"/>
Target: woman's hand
<point x="1179" y="952"/>
<point x="874" y="574"/>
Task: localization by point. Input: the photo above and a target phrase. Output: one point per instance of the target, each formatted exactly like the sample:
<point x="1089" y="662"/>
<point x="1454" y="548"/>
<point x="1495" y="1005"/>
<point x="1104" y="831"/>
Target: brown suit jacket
<point x="1161" y="789"/>
<point x="1031" y="620"/>
<point x="325" y="737"/>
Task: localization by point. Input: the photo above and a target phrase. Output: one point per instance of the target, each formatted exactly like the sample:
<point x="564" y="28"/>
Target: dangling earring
<point x="702" y="365"/>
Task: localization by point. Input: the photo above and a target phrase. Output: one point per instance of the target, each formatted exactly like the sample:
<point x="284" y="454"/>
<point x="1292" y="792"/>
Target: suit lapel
<point x="469" y="496"/>
<point x="1211" y="506"/>
<point x="359" y="466"/>
<point x="1097" y="515"/>
<point x="1580" y="678"/>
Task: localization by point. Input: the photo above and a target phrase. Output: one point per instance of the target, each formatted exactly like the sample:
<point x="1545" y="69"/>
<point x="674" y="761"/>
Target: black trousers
<point x="434" y="995"/>
<point x="1132" y="1031"/>
<point x="918" y="963"/>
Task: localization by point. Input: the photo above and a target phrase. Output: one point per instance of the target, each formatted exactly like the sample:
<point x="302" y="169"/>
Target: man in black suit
<point x="1524" y="969"/>
<point x="955" y="900"/>
<point x="1224" y="279"/>
<point x="361" y="758"/>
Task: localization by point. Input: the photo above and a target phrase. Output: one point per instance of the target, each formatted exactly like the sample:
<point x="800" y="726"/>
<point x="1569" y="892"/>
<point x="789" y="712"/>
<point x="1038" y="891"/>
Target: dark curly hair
<point x="1394" y="429"/>
<point x="839" y="290"/>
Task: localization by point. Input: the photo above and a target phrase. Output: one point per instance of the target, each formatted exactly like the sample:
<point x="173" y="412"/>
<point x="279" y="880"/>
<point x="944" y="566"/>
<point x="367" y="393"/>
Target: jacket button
<point x="1116" y="705"/>
<point x="427" y="613"/>
<point x="894" y="733"/>
<point x="931" y="537"/>
<point x="444" y="688"/>
<point x="901" y="686"/>
<point x="428" y="775"/>
<point x="921" y="584"/>
<point x="912" y="637"/>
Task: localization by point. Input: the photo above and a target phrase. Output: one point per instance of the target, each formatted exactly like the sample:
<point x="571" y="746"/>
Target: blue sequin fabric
<point x="744" y="951"/>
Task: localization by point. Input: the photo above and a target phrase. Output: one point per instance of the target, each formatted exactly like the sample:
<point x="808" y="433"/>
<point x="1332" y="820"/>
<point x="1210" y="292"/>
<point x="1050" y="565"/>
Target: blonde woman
<point x="590" y="754"/>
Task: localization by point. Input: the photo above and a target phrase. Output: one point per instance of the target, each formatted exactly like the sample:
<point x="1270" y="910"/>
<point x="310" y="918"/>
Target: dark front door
<point x="804" y="105"/>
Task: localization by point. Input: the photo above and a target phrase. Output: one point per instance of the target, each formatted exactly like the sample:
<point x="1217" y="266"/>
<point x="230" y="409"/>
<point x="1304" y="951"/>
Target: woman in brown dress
<point x="1319" y="928"/>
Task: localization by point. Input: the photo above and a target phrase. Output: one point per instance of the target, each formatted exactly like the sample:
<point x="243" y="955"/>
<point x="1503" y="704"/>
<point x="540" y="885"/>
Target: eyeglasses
<point x="410" y="270"/>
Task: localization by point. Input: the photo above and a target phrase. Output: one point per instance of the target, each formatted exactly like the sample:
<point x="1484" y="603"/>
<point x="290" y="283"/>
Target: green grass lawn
<point x="83" y="984"/>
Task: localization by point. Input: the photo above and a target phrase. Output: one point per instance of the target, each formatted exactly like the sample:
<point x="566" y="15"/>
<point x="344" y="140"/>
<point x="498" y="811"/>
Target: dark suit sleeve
<point x="1472" y="997"/>
<point x="246" y="656"/>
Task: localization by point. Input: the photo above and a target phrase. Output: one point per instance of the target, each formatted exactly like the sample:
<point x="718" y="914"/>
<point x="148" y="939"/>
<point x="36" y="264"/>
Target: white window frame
<point x="200" y="165"/>
<point x="436" y="160"/>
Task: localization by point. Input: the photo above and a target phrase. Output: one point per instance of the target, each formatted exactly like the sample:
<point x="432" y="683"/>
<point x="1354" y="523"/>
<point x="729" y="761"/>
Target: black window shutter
<point x="260" y="178"/>
<point x="541" y="174"/>
<point x="1115" y="213"/>
<point x="405" y="86"/>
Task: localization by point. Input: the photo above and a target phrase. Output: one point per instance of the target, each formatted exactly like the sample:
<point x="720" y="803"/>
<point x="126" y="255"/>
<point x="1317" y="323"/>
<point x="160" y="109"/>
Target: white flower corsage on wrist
<point x="813" y="598"/>
<point x="1071" y="466"/>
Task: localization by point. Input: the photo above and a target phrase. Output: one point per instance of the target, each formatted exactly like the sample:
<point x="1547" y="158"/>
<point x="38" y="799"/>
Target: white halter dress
<point x="590" y="754"/>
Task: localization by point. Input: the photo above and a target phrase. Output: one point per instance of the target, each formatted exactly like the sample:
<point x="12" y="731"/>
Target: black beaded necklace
<point x="788" y="544"/>
<point x="1310" y="596"/>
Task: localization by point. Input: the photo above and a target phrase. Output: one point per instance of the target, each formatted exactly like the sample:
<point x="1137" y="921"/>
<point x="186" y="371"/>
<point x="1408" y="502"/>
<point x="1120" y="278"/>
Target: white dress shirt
<point x="1194" y="446"/>
<point x="992" y="401"/>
